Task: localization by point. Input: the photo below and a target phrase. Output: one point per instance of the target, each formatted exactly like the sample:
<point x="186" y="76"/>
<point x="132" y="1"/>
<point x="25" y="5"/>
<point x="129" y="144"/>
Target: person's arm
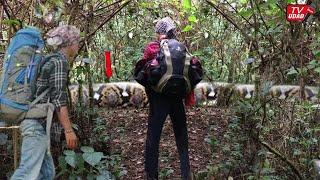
<point x="150" y="51"/>
<point x="196" y="75"/>
<point x="58" y="82"/>
<point x="71" y="137"/>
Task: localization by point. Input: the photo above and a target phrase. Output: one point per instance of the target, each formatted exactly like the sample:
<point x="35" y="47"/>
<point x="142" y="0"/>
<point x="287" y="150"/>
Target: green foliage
<point x="186" y="4"/>
<point x="292" y="71"/>
<point x="165" y="173"/>
<point x="312" y="66"/>
<point x="212" y="142"/>
<point x="91" y="157"/>
<point x="11" y="22"/>
<point x="193" y="19"/>
<point x="317" y="53"/>
<point x="99" y="132"/>
<point x="289" y="127"/>
<point x="187" y="28"/>
<point x="89" y="164"/>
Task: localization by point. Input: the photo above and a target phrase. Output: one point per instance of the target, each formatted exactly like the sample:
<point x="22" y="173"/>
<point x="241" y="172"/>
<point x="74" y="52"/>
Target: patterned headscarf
<point x="63" y="36"/>
<point x="164" y="25"/>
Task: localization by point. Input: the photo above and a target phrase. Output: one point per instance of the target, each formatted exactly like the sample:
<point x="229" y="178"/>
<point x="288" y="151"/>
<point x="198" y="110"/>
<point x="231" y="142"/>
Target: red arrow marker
<point x="108" y="64"/>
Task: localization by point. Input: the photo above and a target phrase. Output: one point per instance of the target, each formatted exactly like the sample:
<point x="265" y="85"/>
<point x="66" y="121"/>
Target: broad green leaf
<point x="62" y="162"/>
<point x="187" y="28"/>
<point x="317" y="53"/>
<point x="92" y="158"/>
<point x="314" y="62"/>
<point x="246" y="13"/>
<point x="243" y="1"/>
<point x="71" y="160"/>
<point x="69" y="153"/>
<point x="186" y="4"/>
<point x="87" y="149"/>
<point x="79" y="161"/>
<point x="317" y="70"/>
<point x="292" y="71"/>
<point x="193" y="19"/>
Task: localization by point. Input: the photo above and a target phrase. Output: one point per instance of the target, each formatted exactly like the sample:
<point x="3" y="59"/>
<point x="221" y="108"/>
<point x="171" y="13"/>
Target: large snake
<point x="133" y="94"/>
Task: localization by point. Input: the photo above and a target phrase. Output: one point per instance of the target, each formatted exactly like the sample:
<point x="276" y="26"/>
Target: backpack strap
<point x="186" y="70"/>
<point x="28" y="69"/>
<point x="48" y="124"/>
<point x="39" y="97"/>
<point x="163" y="81"/>
<point x="50" y="110"/>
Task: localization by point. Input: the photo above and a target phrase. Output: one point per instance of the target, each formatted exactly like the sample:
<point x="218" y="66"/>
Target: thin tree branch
<point x="283" y="158"/>
<point x="261" y="17"/>
<point x="106" y="20"/>
<point x="102" y="8"/>
<point x="238" y="13"/>
<point x="1" y="19"/>
<point x="109" y="18"/>
<point x="99" y="4"/>
<point x="247" y="38"/>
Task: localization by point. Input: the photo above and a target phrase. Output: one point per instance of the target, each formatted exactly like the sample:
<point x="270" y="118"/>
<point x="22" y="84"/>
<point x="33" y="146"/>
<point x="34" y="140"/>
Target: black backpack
<point x="173" y="72"/>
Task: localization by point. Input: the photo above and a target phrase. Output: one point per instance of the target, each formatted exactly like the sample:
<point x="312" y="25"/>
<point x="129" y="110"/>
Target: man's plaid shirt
<point x="54" y="75"/>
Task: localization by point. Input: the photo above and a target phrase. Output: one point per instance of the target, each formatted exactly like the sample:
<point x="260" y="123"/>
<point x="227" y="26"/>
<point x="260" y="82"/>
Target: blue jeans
<point x="36" y="162"/>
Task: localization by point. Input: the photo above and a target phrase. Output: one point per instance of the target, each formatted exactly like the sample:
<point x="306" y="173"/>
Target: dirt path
<point x="128" y="128"/>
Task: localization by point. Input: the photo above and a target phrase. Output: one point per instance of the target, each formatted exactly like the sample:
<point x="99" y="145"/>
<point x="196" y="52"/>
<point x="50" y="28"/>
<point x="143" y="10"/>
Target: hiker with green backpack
<point x="33" y="87"/>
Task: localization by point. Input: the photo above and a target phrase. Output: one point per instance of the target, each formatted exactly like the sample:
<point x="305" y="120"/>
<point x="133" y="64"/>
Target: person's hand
<point x="71" y="139"/>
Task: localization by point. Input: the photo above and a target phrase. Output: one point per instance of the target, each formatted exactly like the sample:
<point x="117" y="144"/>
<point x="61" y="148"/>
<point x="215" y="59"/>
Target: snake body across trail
<point x="133" y="94"/>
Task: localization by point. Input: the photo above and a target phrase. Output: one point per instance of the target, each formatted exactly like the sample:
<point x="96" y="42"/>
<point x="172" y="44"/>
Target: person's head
<point x="65" y="39"/>
<point x="165" y="28"/>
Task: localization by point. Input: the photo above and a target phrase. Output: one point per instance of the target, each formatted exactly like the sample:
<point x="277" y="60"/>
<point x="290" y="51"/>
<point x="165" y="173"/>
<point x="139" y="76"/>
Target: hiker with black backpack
<point x="33" y="87"/>
<point x="168" y="72"/>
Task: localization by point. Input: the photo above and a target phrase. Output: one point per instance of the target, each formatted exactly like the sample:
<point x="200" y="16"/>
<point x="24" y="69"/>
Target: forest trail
<point x="128" y="128"/>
